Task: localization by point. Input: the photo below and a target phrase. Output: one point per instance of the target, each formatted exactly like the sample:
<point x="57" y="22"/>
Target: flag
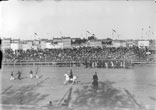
<point x="118" y="35"/>
<point x="88" y="31"/>
<point x="113" y="30"/>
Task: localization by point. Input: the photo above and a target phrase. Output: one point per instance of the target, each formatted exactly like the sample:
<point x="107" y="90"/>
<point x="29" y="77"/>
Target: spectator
<point x="31" y="74"/>
<point x="19" y="75"/>
<point x="75" y="54"/>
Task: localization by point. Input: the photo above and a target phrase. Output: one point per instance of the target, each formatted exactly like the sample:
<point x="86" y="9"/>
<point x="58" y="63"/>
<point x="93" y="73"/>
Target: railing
<point x="101" y="63"/>
<point x="34" y="63"/>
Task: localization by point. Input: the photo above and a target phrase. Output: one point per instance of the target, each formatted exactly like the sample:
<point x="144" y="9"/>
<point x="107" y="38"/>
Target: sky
<point x="49" y="19"/>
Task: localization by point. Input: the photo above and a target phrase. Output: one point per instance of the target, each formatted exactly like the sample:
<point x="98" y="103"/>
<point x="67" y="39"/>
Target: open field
<point x="140" y="81"/>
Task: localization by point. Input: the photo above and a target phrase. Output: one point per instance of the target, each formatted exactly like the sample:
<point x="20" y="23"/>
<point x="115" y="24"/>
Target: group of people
<point x="74" y="54"/>
<point x="108" y="63"/>
<point x="12" y="77"/>
<point x="95" y="77"/>
<point x="18" y="77"/>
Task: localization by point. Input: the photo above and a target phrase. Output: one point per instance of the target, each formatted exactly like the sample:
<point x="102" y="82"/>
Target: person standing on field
<point x="95" y="81"/>
<point x="31" y="74"/>
<point x="12" y="76"/>
<point x="19" y="75"/>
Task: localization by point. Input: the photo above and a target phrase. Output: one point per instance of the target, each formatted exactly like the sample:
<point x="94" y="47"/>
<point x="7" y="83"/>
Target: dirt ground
<point x="50" y="87"/>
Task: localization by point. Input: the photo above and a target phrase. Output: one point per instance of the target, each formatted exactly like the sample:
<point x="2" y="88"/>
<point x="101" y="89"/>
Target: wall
<point x="6" y="43"/>
<point x="95" y="44"/>
<point x="66" y="42"/>
<point x="26" y="46"/>
<point x="14" y="46"/>
<point x="116" y="44"/>
<point x="143" y="43"/>
<point x="43" y="44"/>
<point x="48" y="45"/>
<point x="57" y="46"/>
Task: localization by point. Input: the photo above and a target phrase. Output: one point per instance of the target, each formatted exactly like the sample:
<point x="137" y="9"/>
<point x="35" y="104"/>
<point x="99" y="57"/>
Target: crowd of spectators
<point x="74" y="54"/>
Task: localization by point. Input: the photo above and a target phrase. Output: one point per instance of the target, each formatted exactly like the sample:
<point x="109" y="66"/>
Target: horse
<point x="70" y="80"/>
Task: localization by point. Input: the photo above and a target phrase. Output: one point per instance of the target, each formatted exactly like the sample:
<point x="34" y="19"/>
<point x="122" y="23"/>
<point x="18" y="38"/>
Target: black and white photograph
<point x="78" y="55"/>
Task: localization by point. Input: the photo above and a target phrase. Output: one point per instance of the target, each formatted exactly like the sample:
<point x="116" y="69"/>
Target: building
<point x="95" y="43"/>
<point x="34" y="47"/>
<point x="16" y="44"/>
<point x="43" y="43"/>
<point x="36" y="44"/>
<point x="57" y="45"/>
<point x="131" y="43"/>
<point x="86" y="44"/>
<point x="152" y="46"/>
<point x="6" y="43"/>
<point x="143" y="43"/>
<point x="77" y="45"/>
<point x="118" y="43"/>
<point x="48" y="45"/>
<point x="56" y="40"/>
<point x="123" y="43"/>
<point x="66" y="42"/>
<point x="106" y="42"/>
<point x="27" y="44"/>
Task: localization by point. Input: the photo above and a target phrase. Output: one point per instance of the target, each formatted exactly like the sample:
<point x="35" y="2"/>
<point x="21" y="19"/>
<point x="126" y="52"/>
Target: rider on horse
<point x="95" y="77"/>
<point x="70" y="78"/>
<point x="71" y="75"/>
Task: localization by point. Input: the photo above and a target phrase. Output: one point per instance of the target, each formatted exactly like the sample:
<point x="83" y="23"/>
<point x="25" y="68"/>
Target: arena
<point x="126" y="78"/>
<point x="78" y="55"/>
<point x="140" y="81"/>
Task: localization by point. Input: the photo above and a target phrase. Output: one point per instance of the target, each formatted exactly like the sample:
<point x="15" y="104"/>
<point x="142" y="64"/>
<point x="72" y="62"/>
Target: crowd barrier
<point x="33" y="63"/>
<point x="106" y="63"/>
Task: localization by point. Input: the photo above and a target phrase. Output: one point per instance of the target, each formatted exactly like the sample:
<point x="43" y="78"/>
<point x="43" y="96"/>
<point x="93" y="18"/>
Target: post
<point x="65" y="95"/>
<point x="132" y="98"/>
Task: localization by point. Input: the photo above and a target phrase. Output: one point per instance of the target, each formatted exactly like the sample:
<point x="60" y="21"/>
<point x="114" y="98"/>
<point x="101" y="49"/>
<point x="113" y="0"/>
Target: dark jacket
<point x="71" y="75"/>
<point x="95" y="77"/>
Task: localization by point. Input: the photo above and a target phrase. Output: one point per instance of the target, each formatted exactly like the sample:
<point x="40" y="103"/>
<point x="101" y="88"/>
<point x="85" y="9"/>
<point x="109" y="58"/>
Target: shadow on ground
<point x="106" y="96"/>
<point x="23" y="95"/>
<point x="78" y="97"/>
